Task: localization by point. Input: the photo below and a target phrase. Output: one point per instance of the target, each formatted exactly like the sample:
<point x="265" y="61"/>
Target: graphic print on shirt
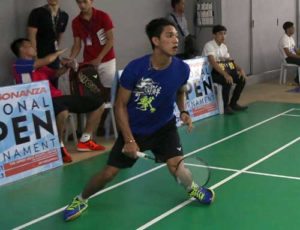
<point x="102" y="37"/>
<point x="145" y="93"/>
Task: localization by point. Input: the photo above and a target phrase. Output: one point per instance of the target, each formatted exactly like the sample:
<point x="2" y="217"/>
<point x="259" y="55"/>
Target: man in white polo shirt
<point x="287" y="45"/>
<point x="217" y="52"/>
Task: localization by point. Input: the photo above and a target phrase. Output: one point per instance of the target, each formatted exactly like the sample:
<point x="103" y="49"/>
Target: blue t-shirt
<point x="22" y="70"/>
<point x="24" y="73"/>
<point x="154" y="93"/>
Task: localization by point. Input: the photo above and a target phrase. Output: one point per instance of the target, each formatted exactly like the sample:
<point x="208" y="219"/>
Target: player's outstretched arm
<point x="130" y="147"/>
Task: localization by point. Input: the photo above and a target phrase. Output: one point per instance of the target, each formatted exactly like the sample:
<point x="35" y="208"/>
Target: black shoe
<point x="238" y="107"/>
<point x="228" y="110"/>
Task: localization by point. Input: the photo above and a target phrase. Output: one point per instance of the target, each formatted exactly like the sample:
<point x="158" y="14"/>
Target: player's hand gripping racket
<point x="194" y="165"/>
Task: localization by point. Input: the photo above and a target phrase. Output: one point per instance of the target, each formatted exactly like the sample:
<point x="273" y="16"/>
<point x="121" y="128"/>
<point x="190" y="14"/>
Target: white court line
<point x="34" y="221"/>
<point x="291" y="115"/>
<point x="247" y="172"/>
<point x="171" y="211"/>
<point x="96" y="194"/>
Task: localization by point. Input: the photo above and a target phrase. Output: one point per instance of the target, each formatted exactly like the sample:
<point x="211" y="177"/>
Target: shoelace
<point x="76" y="203"/>
<point x="197" y="193"/>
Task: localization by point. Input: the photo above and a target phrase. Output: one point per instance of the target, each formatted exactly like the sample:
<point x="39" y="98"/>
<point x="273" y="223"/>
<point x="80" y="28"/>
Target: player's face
<point x="85" y="5"/>
<point x="220" y="37"/>
<point x="168" y="41"/>
<point x="27" y="49"/>
<point x="52" y="2"/>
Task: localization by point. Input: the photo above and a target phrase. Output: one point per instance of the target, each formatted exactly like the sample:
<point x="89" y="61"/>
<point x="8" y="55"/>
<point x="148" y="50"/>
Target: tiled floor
<point x="270" y="91"/>
<point x="78" y="156"/>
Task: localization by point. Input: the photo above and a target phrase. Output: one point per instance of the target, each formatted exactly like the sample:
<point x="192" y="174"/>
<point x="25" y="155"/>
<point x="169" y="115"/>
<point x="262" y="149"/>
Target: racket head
<point x="89" y="81"/>
<point x="198" y="168"/>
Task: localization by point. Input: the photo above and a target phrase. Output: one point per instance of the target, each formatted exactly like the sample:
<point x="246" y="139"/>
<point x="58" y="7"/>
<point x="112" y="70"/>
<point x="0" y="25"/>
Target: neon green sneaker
<point x="75" y="209"/>
<point x="201" y="194"/>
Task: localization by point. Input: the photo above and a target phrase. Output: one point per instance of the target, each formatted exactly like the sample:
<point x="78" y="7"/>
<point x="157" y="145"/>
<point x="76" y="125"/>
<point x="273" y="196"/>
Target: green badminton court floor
<point x="255" y="157"/>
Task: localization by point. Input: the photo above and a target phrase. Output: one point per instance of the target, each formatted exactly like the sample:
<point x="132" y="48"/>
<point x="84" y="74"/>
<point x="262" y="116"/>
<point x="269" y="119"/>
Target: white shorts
<point x="107" y="71"/>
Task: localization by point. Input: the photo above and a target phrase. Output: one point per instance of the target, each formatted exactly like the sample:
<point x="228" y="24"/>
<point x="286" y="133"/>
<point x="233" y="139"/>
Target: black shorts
<point x="76" y="104"/>
<point x="164" y="143"/>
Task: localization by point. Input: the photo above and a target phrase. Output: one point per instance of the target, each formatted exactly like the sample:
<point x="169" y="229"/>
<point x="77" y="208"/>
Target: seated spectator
<point x="287" y="46"/>
<point x="217" y="52"/>
<point x="27" y="65"/>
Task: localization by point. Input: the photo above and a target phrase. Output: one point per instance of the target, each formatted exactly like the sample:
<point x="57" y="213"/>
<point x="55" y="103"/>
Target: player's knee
<point x="110" y="173"/>
<point x="173" y="164"/>
<point x="172" y="169"/>
<point x="62" y="115"/>
<point x="98" y="104"/>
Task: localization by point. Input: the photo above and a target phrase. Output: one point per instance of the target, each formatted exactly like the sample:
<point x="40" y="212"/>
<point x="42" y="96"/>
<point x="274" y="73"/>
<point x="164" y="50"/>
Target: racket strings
<point x="192" y="169"/>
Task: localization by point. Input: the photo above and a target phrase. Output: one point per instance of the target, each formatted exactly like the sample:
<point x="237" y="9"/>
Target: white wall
<point x="238" y="37"/>
<point x="268" y="20"/>
<point x="254" y="48"/>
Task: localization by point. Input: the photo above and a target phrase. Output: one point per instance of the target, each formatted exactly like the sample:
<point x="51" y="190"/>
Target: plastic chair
<point x="110" y="105"/>
<point x="284" y="67"/>
<point x="218" y="90"/>
<point x="283" y="71"/>
<point x="71" y="122"/>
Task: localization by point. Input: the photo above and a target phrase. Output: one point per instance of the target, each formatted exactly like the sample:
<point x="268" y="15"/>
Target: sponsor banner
<point x="29" y="142"/>
<point x="201" y="98"/>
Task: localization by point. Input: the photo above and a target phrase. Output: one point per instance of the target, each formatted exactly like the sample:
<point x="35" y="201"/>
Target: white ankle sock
<point x="81" y="199"/>
<point x="85" y="137"/>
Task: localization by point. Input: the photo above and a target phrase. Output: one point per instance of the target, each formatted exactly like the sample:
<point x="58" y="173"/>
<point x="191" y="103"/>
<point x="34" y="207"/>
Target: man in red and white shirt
<point x="94" y="29"/>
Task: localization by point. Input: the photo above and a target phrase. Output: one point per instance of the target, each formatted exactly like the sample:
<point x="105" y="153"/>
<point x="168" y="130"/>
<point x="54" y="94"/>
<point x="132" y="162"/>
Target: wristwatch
<point x="184" y="111"/>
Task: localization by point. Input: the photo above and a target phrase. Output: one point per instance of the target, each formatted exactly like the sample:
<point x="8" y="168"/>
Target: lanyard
<point x="179" y="27"/>
<point x="55" y="23"/>
<point x="88" y="26"/>
<point x="54" y="20"/>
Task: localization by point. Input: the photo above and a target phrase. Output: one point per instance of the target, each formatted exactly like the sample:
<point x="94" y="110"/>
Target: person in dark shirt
<point x="46" y="24"/>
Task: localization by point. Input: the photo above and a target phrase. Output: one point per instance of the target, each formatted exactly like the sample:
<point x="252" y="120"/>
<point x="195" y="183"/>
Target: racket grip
<point x="141" y="155"/>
